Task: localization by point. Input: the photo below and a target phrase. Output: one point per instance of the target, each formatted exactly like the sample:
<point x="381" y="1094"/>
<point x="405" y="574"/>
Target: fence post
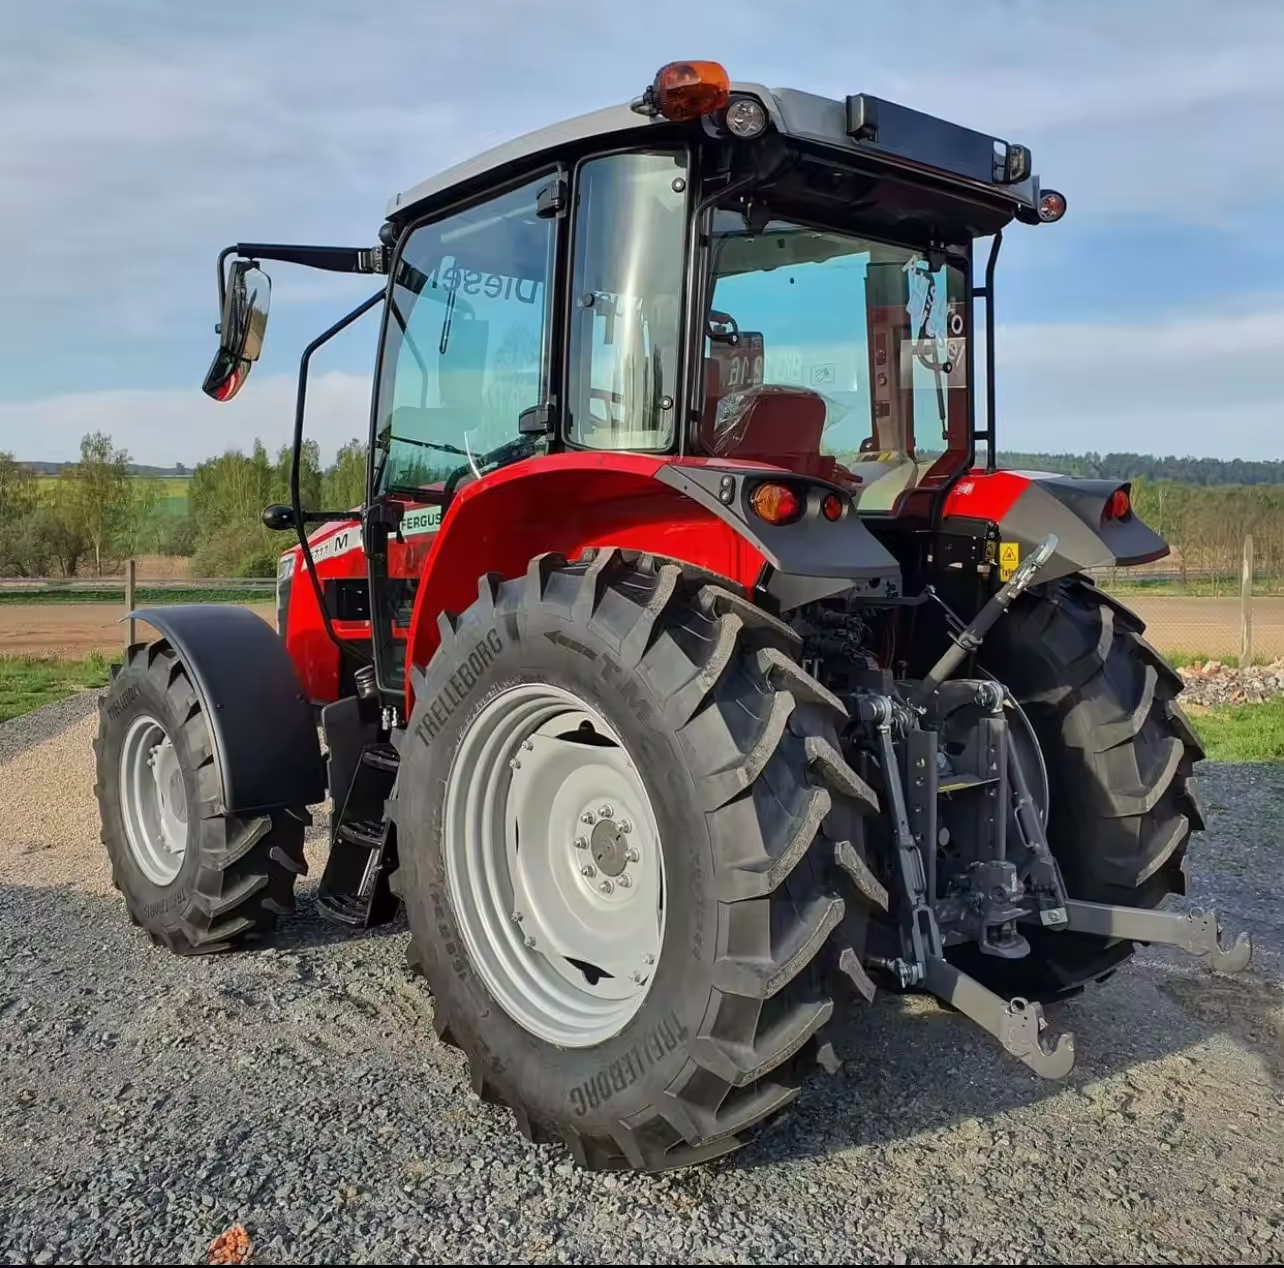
<point x="129" y="602"/>
<point x="1246" y="606"/>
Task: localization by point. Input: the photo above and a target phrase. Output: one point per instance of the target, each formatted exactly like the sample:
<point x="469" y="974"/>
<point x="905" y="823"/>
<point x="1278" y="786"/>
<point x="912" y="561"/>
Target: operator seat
<point x="769" y="423"/>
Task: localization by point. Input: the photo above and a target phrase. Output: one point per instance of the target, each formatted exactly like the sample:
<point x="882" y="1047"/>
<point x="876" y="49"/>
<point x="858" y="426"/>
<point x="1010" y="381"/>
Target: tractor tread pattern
<point x="1120" y="754"/>
<point x="247" y="871"/>
<point x="761" y="739"/>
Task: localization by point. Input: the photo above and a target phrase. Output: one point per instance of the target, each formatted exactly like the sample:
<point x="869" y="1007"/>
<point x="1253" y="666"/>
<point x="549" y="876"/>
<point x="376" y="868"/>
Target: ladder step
<point x="381" y="757"/>
<point x="364" y="833"/>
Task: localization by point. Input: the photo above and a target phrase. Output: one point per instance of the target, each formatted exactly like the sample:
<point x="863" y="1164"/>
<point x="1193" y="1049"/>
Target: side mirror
<point x="241" y="330"/>
<point x="278" y="518"/>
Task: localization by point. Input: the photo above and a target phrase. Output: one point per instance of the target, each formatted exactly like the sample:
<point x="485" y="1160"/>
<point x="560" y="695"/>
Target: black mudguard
<point x="1072" y="509"/>
<point x="265" y="736"/>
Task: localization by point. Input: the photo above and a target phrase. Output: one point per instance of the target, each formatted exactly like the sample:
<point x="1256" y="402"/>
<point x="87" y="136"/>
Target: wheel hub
<point x="610" y="848"/>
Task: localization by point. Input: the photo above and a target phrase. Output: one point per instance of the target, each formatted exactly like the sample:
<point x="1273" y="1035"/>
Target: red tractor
<point x="690" y="667"/>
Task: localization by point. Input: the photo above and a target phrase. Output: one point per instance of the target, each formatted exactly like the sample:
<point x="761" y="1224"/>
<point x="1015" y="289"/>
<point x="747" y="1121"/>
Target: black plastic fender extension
<point x="264" y="731"/>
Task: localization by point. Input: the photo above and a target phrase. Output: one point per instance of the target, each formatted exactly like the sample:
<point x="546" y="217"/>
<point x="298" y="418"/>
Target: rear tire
<point x="737" y="748"/>
<point x="1119" y="752"/>
<point x="205" y="881"/>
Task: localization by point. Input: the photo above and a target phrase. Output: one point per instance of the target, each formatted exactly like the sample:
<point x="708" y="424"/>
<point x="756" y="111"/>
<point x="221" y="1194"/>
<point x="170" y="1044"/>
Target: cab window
<point x="466" y="346"/>
<point x="626" y="315"/>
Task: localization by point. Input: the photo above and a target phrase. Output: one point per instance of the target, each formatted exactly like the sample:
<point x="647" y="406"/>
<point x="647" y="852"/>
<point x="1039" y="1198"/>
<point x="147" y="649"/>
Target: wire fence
<point x="1190" y="613"/>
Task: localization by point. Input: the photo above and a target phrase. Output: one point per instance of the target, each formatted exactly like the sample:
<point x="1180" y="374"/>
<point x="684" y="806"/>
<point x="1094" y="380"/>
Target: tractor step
<point x="382" y="757"/>
<point x="354" y="889"/>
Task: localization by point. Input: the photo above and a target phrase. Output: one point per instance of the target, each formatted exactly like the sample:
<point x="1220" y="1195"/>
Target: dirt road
<point x="1210" y="626"/>
<point x="148" y="1102"/>
<point x="72" y="629"/>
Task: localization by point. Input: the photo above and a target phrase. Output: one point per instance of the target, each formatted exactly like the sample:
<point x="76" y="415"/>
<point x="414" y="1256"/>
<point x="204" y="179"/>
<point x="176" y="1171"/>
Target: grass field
<point x="27" y="682"/>
<point x="173" y="494"/>
<point x="1242" y="733"/>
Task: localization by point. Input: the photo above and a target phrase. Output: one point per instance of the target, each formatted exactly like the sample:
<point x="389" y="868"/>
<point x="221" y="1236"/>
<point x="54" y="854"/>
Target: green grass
<point x="1242" y="732"/>
<point x="1179" y="660"/>
<point x="144" y="594"/>
<point x="27" y="682"/>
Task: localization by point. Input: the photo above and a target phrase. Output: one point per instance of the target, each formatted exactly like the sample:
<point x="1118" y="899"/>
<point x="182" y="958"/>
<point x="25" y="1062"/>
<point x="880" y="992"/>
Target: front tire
<point x="736" y="752"/>
<point x="198" y="881"/>
<point x="1119" y="752"/>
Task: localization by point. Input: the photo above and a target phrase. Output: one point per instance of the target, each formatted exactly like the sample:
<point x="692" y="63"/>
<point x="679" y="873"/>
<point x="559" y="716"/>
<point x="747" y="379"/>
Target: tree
<point x="344" y="485"/>
<point x="98" y="493"/>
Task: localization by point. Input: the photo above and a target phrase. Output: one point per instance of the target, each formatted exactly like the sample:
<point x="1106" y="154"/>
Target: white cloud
<point x="1207" y="386"/>
<point x="1170" y="387"/>
<point x="161" y="428"/>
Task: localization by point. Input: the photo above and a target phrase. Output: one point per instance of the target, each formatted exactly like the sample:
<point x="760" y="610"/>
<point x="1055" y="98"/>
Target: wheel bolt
<point x="607" y="811"/>
<point x="587" y="817"/>
<point x="515" y="763"/>
<point x="517" y="917"/>
<point x="530" y="942"/>
<point x="624" y="881"/>
<point x="606" y="887"/>
<point x="528" y="745"/>
<point x="632" y="856"/>
<point x="648" y="958"/>
<point x="581" y="843"/>
<point x="626" y="826"/>
<point x="588" y="870"/>
<point x="637" y="977"/>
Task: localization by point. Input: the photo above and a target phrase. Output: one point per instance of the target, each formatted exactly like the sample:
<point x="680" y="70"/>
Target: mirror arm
<point x="333" y="259"/>
<point x="296" y="500"/>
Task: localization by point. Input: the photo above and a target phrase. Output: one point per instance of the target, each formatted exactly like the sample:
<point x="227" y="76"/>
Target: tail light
<point x="776" y="503"/>
<point x="831" y="507"/>
<point x="1118" y="506"/>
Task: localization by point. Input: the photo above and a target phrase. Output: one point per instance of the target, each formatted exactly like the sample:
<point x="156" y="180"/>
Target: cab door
<point x="467" y="348"/>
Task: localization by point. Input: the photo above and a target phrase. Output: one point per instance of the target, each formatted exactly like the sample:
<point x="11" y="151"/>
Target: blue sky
<point x="139" y="137"/>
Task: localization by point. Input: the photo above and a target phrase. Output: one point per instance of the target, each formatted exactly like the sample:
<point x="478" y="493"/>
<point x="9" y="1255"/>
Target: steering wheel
<point x="509" y="451"/>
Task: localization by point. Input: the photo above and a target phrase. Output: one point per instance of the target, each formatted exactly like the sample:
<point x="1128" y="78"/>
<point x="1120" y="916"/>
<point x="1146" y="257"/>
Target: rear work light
<point x="776" y="503"/>
<point x="687" y="90"/>
<point x="746" y="118"/>
<point x="1118" y="507"/>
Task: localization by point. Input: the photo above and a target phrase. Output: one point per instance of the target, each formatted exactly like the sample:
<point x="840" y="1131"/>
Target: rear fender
<point x="1027" y="506"/>
<point x="680" y="510"/>
<point x="266" y="750"/>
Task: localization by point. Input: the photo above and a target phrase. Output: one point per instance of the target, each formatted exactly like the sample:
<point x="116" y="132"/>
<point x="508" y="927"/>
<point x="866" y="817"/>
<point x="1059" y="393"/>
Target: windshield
<point x="835" y="355"/>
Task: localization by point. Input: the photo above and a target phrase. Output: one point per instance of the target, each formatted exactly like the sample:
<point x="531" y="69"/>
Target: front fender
<point x="266" y="750"/>
<point x="1026" y="507"/>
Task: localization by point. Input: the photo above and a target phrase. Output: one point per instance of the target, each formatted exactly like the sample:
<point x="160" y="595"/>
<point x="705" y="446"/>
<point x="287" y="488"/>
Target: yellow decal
<point x="1009" y="557"/>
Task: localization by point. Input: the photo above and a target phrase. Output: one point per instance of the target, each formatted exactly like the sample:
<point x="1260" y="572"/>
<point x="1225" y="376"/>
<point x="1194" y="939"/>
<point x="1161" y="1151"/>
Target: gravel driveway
<point x="149" y="1102"/>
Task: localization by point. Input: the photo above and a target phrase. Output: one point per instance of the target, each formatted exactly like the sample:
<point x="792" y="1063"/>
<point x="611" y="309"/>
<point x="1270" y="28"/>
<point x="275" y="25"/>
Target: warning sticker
<point x="1009" y="558"/>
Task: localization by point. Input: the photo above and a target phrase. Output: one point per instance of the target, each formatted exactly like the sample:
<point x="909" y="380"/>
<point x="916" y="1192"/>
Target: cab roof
<point x="917" y="143"/>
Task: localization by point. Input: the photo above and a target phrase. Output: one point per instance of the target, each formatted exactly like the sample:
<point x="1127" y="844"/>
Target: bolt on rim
<point x="553" y="865"/>
<point x="153" y="800"/>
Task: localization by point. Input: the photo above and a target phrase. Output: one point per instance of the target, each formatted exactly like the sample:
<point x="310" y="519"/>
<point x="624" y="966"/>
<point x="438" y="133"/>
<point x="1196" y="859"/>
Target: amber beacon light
<point x="687" y="90"/>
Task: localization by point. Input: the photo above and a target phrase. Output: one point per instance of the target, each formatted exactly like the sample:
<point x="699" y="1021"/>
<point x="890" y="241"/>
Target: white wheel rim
<point x="553" y="865"/>
<point x="153" y="800"/>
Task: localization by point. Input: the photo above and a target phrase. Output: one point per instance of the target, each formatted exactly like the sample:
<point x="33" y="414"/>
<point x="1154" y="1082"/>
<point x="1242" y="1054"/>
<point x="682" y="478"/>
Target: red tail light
<point x="776" y="503"/>
<point x="831" y="506"/>
<point x="1118" y="506"/>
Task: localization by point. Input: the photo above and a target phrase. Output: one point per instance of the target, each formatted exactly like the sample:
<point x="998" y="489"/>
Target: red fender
<point x="566" y="503"/>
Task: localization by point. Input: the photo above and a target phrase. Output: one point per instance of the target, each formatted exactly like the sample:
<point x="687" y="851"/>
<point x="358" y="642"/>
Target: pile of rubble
<point x="1211" y="682"/>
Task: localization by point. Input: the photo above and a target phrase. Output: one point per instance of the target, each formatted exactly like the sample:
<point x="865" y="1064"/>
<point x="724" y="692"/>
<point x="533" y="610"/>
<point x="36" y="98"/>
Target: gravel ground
<point x="149" y="1102"/>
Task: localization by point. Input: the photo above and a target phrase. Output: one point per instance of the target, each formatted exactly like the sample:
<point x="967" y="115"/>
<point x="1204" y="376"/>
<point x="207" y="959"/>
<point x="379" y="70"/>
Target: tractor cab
<point x="712" y="273"/>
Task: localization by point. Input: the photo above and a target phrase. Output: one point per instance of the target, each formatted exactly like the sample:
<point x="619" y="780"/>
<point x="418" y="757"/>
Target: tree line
<point x="94" y="514"/>
<point x="1204" y="472"/>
